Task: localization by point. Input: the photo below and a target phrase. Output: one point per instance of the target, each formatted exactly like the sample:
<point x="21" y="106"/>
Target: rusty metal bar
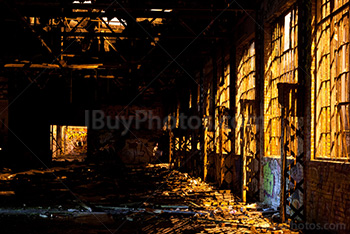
<point x="76" y="26"/>
<point x="243" y="158"/>
<point x="283" y="170"/>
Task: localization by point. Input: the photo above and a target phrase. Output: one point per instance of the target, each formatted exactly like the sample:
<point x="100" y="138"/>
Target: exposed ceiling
<point x="129" y="41"/>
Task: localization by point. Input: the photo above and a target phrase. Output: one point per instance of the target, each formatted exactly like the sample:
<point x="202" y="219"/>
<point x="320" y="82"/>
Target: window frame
<point x="332" y="97"/>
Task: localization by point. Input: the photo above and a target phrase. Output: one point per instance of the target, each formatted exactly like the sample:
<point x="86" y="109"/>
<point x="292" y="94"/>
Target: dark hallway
<point x="175" y="116"/>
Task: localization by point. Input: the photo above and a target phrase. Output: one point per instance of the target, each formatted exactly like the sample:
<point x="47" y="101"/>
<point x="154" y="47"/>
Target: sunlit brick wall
<point x="281" y="66"/>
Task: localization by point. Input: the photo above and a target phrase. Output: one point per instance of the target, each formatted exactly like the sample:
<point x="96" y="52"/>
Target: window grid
<point x="245" y="90"/>
<point x="221" y="121"/>
<point x="332" y="124"/>
<point x="282" y="66"/>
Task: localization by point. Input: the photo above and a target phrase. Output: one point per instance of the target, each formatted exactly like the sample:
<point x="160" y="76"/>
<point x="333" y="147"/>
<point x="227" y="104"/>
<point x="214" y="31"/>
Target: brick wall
<point x="328" y="193"/>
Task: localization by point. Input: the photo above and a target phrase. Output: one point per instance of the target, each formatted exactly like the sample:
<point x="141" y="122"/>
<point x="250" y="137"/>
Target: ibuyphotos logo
<point x="318" y="226"/>
<point x="98" y="119"/>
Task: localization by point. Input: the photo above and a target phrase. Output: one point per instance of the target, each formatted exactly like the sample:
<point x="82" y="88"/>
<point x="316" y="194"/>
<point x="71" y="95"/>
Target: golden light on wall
<point x="221" y="121"/>
<point x="68" y="142"/>
<point x="245" y="91"/>
<point x="281" y="67"/>
<point x="331" y="101"/>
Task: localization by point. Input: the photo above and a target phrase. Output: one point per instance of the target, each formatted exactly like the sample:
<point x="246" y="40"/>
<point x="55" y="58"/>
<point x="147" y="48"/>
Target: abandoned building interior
<point x="175" y="116"/>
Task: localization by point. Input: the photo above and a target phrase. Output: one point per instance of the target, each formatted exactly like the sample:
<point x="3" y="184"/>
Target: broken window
<point x="281" y="67"/>
<point x="245" y="95"/>
<point x="221" y="112"/>
<point x="330" y="95"/>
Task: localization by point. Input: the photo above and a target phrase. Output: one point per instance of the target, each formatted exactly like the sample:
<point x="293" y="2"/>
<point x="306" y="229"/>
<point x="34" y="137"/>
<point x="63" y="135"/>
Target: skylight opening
<point x="82" y="2"/>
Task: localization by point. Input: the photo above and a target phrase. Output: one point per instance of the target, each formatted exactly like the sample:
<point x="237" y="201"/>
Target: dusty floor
<point x="91" y="198"/>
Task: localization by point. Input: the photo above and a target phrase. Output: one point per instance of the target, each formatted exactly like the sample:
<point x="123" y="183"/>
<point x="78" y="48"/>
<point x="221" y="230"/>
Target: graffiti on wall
<point x="133" y="145"/>
<point x="76" y="138"/>
<point x="296" y="198"/>
<point x="272" y="181"/>
<point x="107" y="142"/>
<point x="268" y="180"/>
<point x="139" y="151"/>
<point x="142" y="148"/>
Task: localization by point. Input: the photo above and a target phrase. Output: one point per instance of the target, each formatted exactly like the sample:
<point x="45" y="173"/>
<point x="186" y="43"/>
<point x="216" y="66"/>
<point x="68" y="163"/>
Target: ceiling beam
<point x="33" y="11"/>
<point x="123" y="36"/>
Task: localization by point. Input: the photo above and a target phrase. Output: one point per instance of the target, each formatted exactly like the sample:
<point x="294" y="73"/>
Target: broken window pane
<point x="245" y="100"/>
<point x="223" y="104"/>
<point x="281" y="67"/>
<point x="331" y="94"/>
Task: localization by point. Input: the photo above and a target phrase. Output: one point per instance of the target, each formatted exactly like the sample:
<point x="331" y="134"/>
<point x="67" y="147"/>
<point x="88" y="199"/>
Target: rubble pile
<point x="193" y="206"/>
<point x="132" y="199"/>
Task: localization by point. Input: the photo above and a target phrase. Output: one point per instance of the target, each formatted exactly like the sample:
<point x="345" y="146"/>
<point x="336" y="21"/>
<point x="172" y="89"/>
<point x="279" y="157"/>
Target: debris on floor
<point x="149" y="199"/>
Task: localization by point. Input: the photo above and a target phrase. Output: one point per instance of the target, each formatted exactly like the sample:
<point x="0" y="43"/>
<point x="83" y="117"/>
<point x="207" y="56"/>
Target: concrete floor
<point x="112" y="198"/>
